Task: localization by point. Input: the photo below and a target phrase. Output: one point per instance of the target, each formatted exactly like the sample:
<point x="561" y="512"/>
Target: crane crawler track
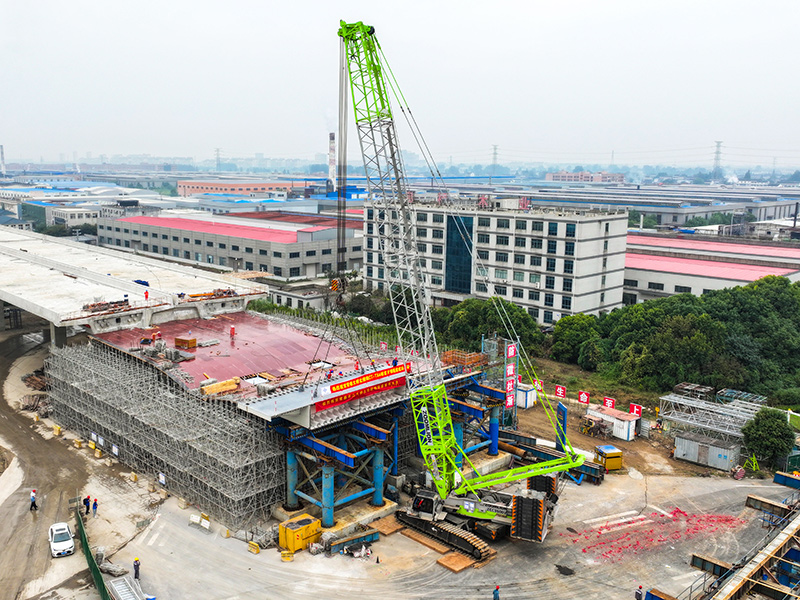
<point x="458" y="539"/>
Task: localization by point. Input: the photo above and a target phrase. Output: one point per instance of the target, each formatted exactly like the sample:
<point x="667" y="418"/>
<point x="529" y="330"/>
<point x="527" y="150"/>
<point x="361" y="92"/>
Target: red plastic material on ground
<point x="646" y="532"/>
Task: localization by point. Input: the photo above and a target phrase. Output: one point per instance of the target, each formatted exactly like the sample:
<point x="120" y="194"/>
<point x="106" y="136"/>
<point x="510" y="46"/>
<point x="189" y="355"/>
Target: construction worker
<point x="136" y="564"/>
<point x="496" y="594"/>
<point x="33" y="501"/>
<point x="637" y="595"/>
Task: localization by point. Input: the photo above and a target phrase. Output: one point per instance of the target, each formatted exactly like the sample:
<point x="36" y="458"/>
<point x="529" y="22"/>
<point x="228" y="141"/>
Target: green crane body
<point x="387" y="183"/>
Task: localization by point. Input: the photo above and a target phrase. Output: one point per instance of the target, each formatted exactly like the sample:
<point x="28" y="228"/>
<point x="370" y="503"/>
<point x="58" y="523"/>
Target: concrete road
<point x="609" y="539"/>
<point x="44" y="465"/>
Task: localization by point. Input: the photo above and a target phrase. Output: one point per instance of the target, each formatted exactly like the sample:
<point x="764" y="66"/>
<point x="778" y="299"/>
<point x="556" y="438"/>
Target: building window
<point x="502" y="240"/>
<point x="567" y="284"/>
<point x="481" y="287"/>
<point x="277" y="271"/>
<point x="210" y="244"/>
<point x="521" y="225"/>
<point x="537" y="226"/>
<point x="248" y="266"/>
<point x="176" y="253"/>
<point x="605" y="246"/>
<point x="288" y="302"/>
<point x="421" y="232"/>
<point x="683" y="289"/>
<point x="483" y="254"/>
<point x="437" y="249"/>
<point x="605" y="263"/>
<point x="436" y="264"/>
<point x="324" y="251"/>
<point x="145" y="247"/>
<point x="248" y="250"/>
<point x="326" y="267"/>
<point x="263" y="268"/>
<point x="185" y="240"/>
<point x="380" y="273"/>
<point x="519" y="259"/>
<point x="602" y="281"/>
<point x="602" y="297"/>
<point x="519" y="276"/>
<point x="550" y="282"/>
<point x="436" y="280"/>
<point x="519" y="242"/>
<point x="536" y="244"/>
<point x="569" y="266"/>
<point x="164" y="250"/>
<point x="174" y="238"/>
<point x="369" y="271"/>
<point x="517" y="293"/>
<point x="483" y="238"/>
<point x="438" y="234"/>
<point x="548" y="299"/>
<point x="311" y="252"/>
<point x="294" y="272"/>
<point x="234" y="247"/>
<point x="198" y="256"/>
<point x="633" y="283"/>
<point x="501" y="274"/>
<point x="370" y="214"/>
<point x="356" y="248"/>
<point x="552" y="229"/>
<point x="570" y="230"/>
<point x="551" y="264"/>
<point x="438" y="218"/>
<point x="503" y="223"/>
<point x="422" y="217"/>
<point x="655" y="286"/>
<point x="500" y="290"/>
<point x="422" y="247"/>
<point x="536" y="261"/>
<point x="294" y="255"/>
<point x="607" y="225"/>
<point x="532" y="295"/>
<point x="566" y="303"/>
<point x="276" y="254"/>
<point x="482" y="272"/>
<point x="534" y="278"/>
<point x="484" y="222"/>
<point x="369" y="242"/>
<point x="501" y="256"/>
<point x="534" y="312"/>
<point x="187" y="255"/>
<point x="196" y="242"/>
<point x="552" y="246"/>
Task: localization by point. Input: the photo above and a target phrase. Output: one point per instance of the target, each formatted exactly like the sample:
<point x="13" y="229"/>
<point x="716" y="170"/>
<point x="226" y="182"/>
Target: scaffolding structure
<point x="204" y="449"/>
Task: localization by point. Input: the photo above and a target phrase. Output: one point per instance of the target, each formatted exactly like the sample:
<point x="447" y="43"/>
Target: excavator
<point x="458" y="510"/>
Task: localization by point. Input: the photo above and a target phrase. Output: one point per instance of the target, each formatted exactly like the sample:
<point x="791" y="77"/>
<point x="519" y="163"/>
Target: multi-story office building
<point x="551" y="263"/>
<point x="292" y="246"/>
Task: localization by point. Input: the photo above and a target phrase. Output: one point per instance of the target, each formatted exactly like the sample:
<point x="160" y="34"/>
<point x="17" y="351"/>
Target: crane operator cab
<point x="427" y="505"/>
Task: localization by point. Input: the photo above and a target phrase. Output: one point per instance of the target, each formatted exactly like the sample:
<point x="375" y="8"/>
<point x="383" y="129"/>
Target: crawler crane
<point x="457" y="507"/>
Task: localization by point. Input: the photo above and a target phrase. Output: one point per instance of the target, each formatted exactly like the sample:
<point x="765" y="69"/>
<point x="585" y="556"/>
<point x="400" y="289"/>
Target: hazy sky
<point x="654" y="81"/>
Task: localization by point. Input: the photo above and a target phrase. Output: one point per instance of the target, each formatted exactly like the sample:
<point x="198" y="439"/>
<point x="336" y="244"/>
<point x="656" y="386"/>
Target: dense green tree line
<point x="742" y="337"/>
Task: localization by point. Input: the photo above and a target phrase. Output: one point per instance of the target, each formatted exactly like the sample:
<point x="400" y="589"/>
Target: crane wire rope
<point x="499" y="306"/>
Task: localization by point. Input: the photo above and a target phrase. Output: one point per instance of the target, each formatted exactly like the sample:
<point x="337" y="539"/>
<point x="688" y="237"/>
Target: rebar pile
<point x="207" y="450"/>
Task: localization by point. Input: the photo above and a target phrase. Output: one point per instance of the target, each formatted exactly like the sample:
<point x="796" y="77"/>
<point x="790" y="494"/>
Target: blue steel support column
<point x="291" y="480"/>
<point x="377" y="477"/>
<point x="494" y="430"/>
<point x="395" y="444"/>
<point x="458" y="432"/>
<point x="327" y="495"/>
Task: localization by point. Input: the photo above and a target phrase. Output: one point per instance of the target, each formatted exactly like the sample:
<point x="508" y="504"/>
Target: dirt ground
<point x="648" y="456"/>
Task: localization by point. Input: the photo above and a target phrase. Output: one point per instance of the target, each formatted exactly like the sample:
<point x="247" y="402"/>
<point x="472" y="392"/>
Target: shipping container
<point x="710" y="452"/>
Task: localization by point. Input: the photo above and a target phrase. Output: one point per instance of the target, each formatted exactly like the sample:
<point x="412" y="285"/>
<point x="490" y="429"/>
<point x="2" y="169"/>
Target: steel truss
<point x="207" y="450"/>
<point x="718" y="420"/>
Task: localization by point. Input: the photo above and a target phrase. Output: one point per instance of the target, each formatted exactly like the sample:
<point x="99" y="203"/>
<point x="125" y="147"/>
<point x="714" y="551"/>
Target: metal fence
<point x="97" y="576"/>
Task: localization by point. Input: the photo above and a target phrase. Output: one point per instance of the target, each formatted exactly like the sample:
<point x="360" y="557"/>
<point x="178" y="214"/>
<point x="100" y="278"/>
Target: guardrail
<point x="97" y="576"/>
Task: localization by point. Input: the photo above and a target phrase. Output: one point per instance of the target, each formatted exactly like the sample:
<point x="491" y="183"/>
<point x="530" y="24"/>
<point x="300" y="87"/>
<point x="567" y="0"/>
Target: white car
<point x="61" y="542"/>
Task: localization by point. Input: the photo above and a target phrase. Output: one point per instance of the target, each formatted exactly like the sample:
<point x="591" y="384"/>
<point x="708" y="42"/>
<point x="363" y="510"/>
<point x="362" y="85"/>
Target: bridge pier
<point x="58" y="336"/>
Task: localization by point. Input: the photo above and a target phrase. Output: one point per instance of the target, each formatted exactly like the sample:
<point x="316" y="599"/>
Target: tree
<point x="569" y="334"/>
<point x="768" y="436"/>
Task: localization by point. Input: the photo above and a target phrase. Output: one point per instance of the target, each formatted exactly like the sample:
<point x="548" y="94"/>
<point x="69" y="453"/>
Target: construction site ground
<point x="639" y="527"/>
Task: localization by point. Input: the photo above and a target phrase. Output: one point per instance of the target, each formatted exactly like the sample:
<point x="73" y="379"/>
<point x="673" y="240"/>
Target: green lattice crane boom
<point x="364" y="67"/>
